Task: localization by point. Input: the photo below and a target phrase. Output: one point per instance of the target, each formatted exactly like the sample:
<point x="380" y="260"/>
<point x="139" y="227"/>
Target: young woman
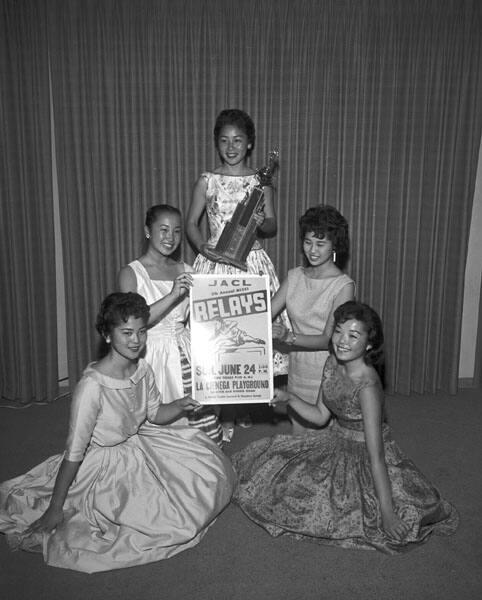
<point x="164" y="281"/>
<point x="311" y="294"/>
<point x="124" y="492"/>
<point x="218" y="193"/>
<point x="348" y="484"/>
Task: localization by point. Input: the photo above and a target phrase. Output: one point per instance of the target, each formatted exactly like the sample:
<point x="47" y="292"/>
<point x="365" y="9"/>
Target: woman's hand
<point x="279" y="331"/>
<point x="280" y="398"/>
<point x="181" y="285"/>
<point x="48" y="521"/>
<point x="259" y="218"/>
<point x="208" y="251"/>
<point x="394" y="526"/>
<point x="283" y="334"/>
<point x="187" y="403"/>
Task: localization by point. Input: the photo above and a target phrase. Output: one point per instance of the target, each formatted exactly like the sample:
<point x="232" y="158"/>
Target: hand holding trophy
<point x="239" y="233"/>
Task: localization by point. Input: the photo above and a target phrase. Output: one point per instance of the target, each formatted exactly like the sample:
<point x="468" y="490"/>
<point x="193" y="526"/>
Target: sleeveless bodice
<point x="223" y="194"/>
<point x="309" y="303"/>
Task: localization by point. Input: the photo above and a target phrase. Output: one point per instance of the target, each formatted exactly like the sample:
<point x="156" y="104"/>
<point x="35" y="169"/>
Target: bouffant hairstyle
<point x="117" y="308"/>
<point x="373" y="325"/>
<point x="325" y="221"/>
<point x="238" y="118"/>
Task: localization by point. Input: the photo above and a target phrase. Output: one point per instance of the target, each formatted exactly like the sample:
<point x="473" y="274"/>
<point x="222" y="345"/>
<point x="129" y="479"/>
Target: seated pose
<point x="348" y="484"/>
<point x="124" y="492"/>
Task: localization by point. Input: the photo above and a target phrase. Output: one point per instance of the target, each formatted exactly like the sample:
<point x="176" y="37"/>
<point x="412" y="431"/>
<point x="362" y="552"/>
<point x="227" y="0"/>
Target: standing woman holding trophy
<point x="219" y="193"/>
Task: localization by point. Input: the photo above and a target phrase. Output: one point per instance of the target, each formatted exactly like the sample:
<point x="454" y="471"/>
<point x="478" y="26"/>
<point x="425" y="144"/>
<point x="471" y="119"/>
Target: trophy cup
<point x="239" y="234"/>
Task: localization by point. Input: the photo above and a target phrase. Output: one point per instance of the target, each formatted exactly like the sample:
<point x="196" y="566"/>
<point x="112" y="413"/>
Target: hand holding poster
<point x="231" y="348"/>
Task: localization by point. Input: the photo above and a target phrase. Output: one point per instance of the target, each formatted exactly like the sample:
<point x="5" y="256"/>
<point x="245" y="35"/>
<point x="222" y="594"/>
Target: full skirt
<point x="143" y="500"/>
<point x="319" y="487"/>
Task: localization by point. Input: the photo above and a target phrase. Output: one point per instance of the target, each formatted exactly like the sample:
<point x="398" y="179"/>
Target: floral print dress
<point x="319" y="486"/>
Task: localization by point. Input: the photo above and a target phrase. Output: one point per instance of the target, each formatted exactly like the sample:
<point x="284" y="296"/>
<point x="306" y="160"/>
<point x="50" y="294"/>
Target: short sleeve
<point x="83" y="416"/>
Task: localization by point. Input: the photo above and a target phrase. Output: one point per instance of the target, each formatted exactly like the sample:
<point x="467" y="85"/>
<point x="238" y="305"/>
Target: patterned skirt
<point x="319" y="487"/>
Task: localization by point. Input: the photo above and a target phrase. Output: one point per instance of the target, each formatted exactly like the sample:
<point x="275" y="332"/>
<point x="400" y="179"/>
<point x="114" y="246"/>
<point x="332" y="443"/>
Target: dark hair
<point x="116" y="308"/>
<point x="155" y="212"/>
<point x="239" y="119"/>
<point x="373" y="324"/>
<point x="152" y="214"/>
<point x="326" y="221"/>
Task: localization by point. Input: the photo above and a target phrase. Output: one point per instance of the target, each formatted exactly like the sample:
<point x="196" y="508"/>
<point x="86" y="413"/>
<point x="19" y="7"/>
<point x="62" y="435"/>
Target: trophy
<point x="239" y="234"/>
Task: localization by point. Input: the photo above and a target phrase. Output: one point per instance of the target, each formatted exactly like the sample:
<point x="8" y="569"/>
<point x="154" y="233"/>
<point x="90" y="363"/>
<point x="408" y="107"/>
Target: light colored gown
<point x="309" y="303"/>
<point x="142" y="493"/>
<point x="167" y="338"/>
<point x="223" y="194"/>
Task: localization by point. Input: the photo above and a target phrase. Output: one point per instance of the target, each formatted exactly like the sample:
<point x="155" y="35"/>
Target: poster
<point x="231" y="347"/>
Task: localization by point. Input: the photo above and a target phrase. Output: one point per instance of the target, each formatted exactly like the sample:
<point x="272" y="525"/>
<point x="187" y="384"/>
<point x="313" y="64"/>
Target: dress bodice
<point x="223" y="194"/>
<point x="310" y="301"/>
<point x="142" y="492"/>
<point x="107" y="411"/>
<point x="153" y="290"/>
<point x="341" y="394"/>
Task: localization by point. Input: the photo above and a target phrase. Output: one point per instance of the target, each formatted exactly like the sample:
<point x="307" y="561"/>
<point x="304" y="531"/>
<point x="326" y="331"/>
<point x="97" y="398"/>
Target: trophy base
<point x="230" y="260"/>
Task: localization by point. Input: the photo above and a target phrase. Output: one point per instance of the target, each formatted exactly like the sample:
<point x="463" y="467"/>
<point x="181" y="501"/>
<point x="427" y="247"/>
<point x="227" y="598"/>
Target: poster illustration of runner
<point x="231" y="347"/>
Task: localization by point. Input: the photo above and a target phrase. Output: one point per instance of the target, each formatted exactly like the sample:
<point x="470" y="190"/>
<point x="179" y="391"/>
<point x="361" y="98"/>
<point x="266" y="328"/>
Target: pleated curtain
<point x="375" y="107"/>
<point x="28" y="330"/>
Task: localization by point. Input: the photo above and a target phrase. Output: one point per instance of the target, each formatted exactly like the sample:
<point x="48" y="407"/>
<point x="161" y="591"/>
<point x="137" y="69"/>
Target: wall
<point x="473" y="274"/>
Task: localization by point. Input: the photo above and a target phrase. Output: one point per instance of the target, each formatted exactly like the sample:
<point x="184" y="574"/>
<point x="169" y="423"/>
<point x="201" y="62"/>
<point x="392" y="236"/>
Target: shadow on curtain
<point x="376" y="109"/>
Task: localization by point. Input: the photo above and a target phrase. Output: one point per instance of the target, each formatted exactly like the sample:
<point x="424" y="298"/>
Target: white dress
<point x="167" y="338"/>
<point x="168" y="351"/>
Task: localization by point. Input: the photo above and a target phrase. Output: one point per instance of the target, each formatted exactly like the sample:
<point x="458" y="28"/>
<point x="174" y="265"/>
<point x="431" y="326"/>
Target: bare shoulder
<point x="199" y="189"/>
<point x="369" y="385"/>
<point x="178" y="267"/>
<point x="126" y="279"/>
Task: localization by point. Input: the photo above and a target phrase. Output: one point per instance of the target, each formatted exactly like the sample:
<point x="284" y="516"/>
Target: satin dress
<point x="142" y="493"/>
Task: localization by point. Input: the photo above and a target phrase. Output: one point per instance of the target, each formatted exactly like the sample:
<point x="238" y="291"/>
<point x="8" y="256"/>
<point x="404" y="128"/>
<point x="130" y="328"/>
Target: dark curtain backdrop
<point x="376" y="107"/>
<point x="28" y="347"/>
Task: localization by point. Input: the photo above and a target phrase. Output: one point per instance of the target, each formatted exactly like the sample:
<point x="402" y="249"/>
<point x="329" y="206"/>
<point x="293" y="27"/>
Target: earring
<point x="334" y="256"/>
<point x="147" y="236"/>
